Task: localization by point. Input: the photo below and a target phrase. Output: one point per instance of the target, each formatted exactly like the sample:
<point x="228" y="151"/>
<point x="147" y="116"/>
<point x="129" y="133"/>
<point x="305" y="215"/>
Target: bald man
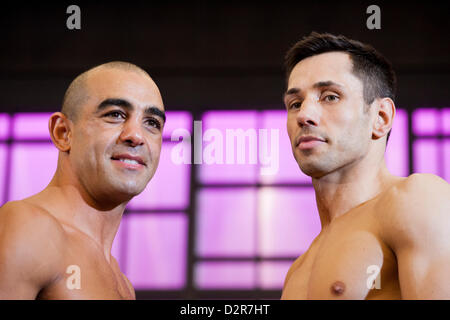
<point x="57" y="244"/>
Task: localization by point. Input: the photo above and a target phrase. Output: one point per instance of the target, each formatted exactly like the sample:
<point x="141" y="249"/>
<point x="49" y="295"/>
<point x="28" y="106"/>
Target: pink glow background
<point x="244" y="221"/>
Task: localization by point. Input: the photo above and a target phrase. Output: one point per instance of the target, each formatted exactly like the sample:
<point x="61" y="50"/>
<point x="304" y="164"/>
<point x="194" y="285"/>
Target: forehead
<point x="130" y="85"/>
<point x="329" y="66"/>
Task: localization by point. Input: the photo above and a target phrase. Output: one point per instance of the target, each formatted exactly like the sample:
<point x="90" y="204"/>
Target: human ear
<point x="60" y="131"/>
<point x="385" y="113"/>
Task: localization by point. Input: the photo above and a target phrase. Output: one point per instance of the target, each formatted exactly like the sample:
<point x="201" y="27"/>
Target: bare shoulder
<point x="414" y="193"/>
<point x="415" y="206"/>
<point x="418" y="192"/>
<point x="429" y="184"/>
<point x="29" y="219"/>
<point x="29" y="233"/>
<point x="295" y="265"/>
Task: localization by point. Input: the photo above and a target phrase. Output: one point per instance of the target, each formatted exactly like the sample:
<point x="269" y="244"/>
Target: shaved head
<point x="77" y="93"/>
<point x="110" y="112"/>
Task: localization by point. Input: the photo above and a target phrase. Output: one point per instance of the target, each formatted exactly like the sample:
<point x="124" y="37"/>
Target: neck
<point x="75" y="208"/>
<point x="346" y="188"/>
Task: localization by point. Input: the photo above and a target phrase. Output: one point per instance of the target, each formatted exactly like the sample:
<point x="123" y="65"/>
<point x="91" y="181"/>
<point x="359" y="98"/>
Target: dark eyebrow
<point x="114" y="102"/>
<point x="292" y="91"/>
<point x="316" y="85"/>
<point x="321" y="84"/>
<point x="157" y="112"/>
<point x="152" y="110"/>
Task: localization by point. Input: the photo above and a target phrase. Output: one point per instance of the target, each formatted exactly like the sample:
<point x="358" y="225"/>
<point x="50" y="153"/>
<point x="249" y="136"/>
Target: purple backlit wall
<point x="248" y="226"/>
<point x="431" y="149"/>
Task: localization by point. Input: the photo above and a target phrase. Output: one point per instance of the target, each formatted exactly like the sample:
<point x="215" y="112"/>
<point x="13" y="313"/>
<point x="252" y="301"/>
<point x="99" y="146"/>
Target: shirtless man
<point x="382" y="236"/>
<point x="57" y="243"/>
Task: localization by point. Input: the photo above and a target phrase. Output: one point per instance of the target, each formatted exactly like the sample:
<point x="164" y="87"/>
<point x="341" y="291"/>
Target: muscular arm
<point x="128" y="283"/>
<point x="29" y="245"/>
<point x="419" y="234"/>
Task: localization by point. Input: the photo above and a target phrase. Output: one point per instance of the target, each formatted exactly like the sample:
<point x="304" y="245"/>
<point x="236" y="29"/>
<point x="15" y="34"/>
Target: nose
<point x="308" y="114"/>
<point x="132" y="134"/>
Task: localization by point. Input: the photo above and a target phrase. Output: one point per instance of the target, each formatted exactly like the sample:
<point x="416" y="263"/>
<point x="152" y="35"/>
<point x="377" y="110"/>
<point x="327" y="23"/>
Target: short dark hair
<point x="370" y="66"/>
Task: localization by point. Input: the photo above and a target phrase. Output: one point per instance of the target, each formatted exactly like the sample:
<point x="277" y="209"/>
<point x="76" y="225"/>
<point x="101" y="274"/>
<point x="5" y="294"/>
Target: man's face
<point x="117" y="137"/>
<point x="327" y="122"/>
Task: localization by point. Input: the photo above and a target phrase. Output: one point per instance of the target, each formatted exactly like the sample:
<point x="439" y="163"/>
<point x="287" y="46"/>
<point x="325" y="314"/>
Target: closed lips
<point x="308" y="138"/>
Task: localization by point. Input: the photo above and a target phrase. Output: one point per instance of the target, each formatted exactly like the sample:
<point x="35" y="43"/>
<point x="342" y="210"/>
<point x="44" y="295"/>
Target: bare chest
<point x="87" y="275"/>
<point x="347" y="261"/>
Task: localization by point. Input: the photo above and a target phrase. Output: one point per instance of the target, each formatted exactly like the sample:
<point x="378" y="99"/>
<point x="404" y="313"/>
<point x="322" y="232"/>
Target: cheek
<point x="154" y="148"/>
<point x="291" y="126"/>
<point x="91" y="149"/>
<point x="346" y="121"/>
<point x="353" y="132"/>
<point x="346" y="116"/>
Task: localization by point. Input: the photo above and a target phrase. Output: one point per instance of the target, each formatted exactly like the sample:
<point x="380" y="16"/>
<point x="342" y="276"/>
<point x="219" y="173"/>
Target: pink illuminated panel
<point x="177" y="120"/>
<point x="446" y="121"/>
<point x="426" y="154"/>
<point x="288" y="221"/>
<point x="288" y="169"/>
<point x="272" y="274"/>
<point x="431" y="121"/>
<point x="33" y="166"/>
<point x="35" y="125"/>
<point x="156" y="249"/>
<point x="446" y="160"/>
<point x="241" y="222"/>
<point x="431" y="155"/>
<point x="220" y="164"/>
<point x="31" y="126"/>
<point x="4" y="126"/>
<point x="3" y="151"/>
<point x="425" y="121"/>
<point x="396" y="154"/>
<point x="225" y="275"/>
<point x="169" y="187"/>
<point x="226" y="222"/>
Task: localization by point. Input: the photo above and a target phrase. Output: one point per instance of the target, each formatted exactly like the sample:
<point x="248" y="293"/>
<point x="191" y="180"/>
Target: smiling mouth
<point x="128" y="164"/>
<point x="129" y="161"/>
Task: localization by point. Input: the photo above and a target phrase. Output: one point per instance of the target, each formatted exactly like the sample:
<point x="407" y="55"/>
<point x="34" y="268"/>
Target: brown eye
<point x="115" y="115"/>
<point x="154" y="123"/>
<point x="295" y="105"/>
<point x="331" y="98"/>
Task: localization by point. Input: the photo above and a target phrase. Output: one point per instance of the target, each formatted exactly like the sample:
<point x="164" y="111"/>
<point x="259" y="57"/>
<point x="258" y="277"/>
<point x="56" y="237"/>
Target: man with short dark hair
<point x="57" y="243"/>
<point x="382" y="236"/>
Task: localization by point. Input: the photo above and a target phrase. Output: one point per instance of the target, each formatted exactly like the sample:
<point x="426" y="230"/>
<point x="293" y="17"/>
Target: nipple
<point x="338" y="288"/>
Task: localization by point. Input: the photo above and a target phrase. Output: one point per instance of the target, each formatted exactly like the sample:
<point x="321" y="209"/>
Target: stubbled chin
<point x="311" y="167"/>
<point x="129" y="189"/>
